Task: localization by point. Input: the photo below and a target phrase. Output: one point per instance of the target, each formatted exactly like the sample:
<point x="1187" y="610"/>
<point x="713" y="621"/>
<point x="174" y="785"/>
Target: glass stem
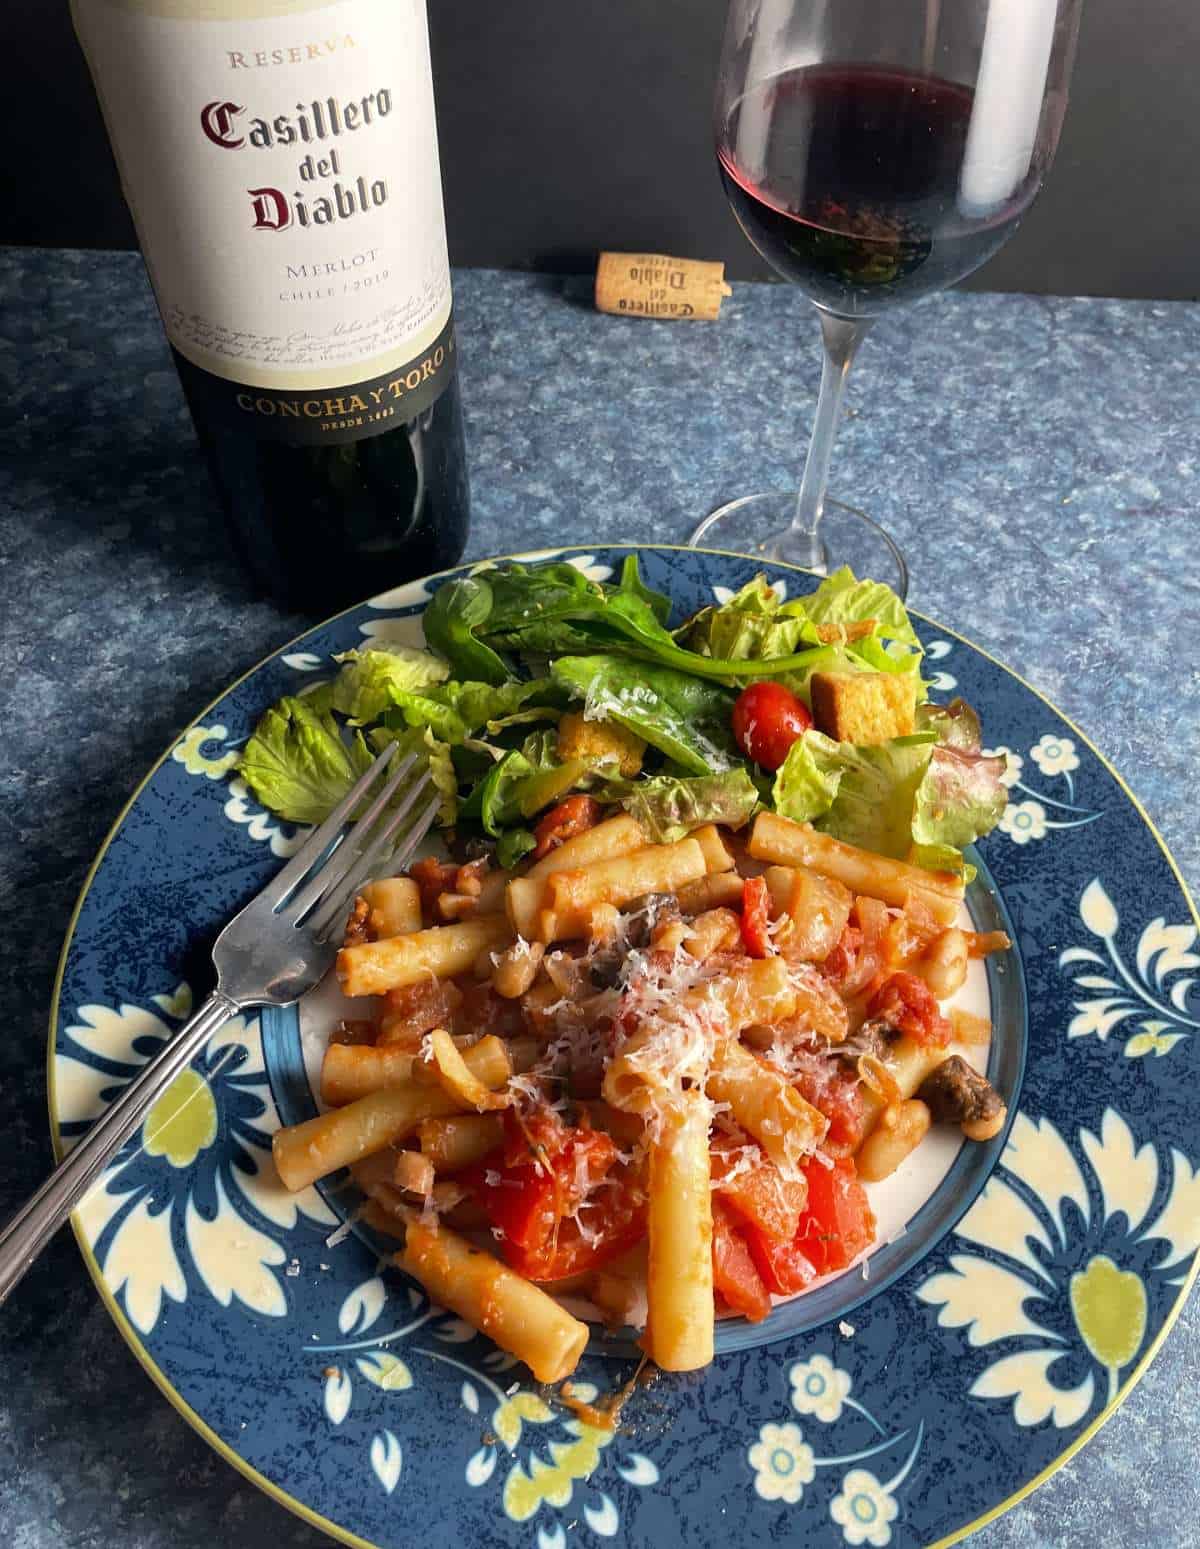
<point x="841" y="337"/>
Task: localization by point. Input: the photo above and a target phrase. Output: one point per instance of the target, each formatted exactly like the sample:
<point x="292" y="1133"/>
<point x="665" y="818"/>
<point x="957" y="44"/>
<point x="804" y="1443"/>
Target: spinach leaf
<point x="553" y="610"/>
<point x="457" y="612"/>
<point x="512" y="845"/>
<point x="524" y="781"/>
<point x="370" y="680"/>
<point x="687" y="718"/>
<point x="632" y="583"/>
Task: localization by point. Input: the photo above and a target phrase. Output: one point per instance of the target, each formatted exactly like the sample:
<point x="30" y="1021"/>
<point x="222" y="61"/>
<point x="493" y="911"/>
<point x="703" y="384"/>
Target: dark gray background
<point x="570" y="127"/>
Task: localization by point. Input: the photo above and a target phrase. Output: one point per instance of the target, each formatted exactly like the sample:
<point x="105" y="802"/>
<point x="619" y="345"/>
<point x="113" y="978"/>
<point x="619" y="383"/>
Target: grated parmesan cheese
<point x="342" y="1232"/>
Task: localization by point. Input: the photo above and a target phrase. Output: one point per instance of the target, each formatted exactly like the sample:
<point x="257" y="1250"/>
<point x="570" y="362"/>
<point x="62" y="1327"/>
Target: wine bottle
<point x="280" y="161"/>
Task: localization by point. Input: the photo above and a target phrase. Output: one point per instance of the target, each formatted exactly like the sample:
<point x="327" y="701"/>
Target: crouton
<point x="864" y="707"/>
<point x="602" y="741"/>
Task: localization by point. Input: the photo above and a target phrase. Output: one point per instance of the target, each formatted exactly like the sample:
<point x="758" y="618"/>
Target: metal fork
<point x="272" y="952"/>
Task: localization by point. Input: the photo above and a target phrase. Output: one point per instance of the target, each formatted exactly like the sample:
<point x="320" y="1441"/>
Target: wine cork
<point x="651" y="285"/>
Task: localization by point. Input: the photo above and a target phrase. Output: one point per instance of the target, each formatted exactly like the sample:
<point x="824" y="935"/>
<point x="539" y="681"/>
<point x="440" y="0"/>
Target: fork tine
<point x="321" y="838"/>
<point x="416" y="833"/>
<point x="339" y="863"/>
<point x="342" y="889"/>
<point x="398" y="860"/>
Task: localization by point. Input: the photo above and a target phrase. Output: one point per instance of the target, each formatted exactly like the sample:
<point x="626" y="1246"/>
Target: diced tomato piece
<point x="840" y="963"/>
<point x="471" y="875"/>
<point x="756" y="936"/>
<point x="782" y="1263"/>
<point x="735" y="1277"/>
<point x="532" y="1191"/>
<point x="838" y="1223"/>
<point x="574" y="816"/>
<point x="753" y="1188"/>
<point x="614" y="1225"/>
<point x="767" y="719"/>
<point x="838" y="1095"/>
<point x="835" y="1227"/>
<point x="909" y="1005"/>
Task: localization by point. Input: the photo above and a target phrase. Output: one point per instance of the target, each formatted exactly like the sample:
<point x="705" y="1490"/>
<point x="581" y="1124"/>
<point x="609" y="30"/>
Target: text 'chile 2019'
<point x="280" y="159"/>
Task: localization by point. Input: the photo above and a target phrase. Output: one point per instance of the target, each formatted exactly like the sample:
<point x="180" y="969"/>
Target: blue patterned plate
<point x="988" y="1342"/>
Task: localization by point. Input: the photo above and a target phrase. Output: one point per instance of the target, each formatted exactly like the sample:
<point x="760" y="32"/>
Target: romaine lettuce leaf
<point x="687" y="718"/>
<point x="318" y="698"/>
<point x="454" y="710"/>
<point x="421" y="740"/>
<point x="669" y="808"/>
<point x="755" y="626"/>
<point x="912" y="798"/>
<point x="371" y="679"/>
<point x="841" y="599"/>
<point x="961" y="798"/>
<point x="750" y="626"/>
<point x="297" y="764"/>
<point x="807" y="781"/>
<point x="870" y="791"/>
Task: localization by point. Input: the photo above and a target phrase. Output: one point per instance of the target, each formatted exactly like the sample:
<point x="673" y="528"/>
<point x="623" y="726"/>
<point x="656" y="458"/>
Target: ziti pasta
<point x="710" y="1085"/>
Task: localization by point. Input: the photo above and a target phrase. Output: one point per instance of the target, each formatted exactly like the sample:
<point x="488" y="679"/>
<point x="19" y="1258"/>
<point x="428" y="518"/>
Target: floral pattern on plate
<point x="1160" y="988"/>
<point x="785" y="1464"/>
<point x="1055" y="1225"/>
<point x="175" y="1212"/>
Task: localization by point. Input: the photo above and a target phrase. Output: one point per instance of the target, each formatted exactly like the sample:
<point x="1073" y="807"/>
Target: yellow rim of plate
<point x="133" y="1340"/>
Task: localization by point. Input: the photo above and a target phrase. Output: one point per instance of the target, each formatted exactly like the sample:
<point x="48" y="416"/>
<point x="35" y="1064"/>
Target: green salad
<point x="539" y="685"/>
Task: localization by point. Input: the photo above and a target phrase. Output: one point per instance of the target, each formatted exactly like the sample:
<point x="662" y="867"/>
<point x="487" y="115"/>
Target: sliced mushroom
<point x="956" y="1093"/>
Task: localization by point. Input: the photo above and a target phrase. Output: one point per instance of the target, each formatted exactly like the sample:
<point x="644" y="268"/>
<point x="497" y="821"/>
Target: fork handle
<point x="41" y="1216"/>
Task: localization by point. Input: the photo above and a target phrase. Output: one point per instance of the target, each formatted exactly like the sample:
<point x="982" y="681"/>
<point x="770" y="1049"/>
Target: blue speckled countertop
<point x="1038" y="460"/>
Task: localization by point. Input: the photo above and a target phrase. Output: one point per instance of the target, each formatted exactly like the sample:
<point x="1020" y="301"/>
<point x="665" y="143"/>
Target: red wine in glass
<point x="848" y="181"/>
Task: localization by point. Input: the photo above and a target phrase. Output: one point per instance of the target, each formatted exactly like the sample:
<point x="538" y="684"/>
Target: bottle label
<point x="280" y="160"/>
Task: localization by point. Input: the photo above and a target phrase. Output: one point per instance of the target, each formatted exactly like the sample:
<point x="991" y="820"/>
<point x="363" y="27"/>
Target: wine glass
<point x="874" y="151"/>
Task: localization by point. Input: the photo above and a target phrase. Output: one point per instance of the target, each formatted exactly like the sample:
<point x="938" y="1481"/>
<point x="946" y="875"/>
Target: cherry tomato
<point x="767" y="719"/>
<point x="574" y="816"/>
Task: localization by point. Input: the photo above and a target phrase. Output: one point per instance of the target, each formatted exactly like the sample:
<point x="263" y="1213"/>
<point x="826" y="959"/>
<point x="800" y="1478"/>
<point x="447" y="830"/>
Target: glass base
<point x="758" y="525"/>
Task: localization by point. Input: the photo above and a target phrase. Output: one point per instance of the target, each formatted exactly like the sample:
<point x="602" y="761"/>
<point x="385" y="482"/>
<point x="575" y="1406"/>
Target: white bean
<point x="943" y="964"/>
<point x="900" y="1130"/>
